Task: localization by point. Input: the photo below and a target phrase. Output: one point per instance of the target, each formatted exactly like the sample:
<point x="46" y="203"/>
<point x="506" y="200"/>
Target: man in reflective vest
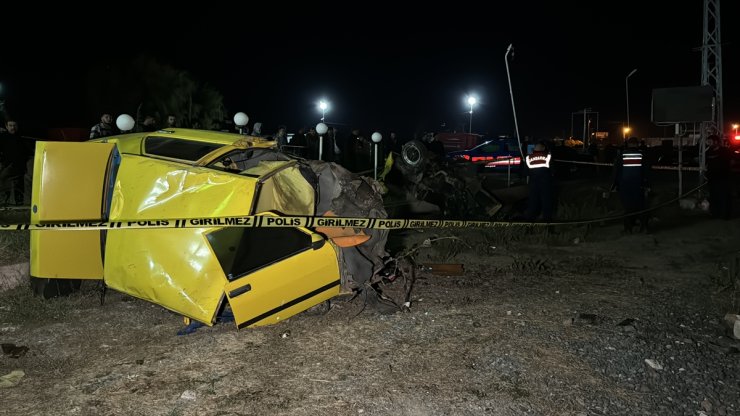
<point x="631" y="182"/>
<point x="540" y="184"/>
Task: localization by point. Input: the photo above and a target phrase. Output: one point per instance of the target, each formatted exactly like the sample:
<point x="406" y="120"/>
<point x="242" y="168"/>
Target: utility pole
<point x="711" y="74"/>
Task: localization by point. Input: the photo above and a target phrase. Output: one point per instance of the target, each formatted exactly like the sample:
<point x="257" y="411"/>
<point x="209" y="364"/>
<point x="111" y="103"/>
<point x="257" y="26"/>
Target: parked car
<point x="264" y="274"/>
<point x="497" y="154"/>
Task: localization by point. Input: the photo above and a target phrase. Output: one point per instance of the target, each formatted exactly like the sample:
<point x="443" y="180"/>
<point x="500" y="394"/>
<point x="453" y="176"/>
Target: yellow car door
<point x="274" y="273"/>
<point x="72" y="182"/>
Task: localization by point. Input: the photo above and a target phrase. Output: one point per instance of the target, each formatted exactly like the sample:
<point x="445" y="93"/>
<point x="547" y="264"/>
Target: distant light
<point x="323" y="105"/>
<point x="626" y="130"/>
<point x="125" y="122"/>
<point x="737" y="138"/>
<point x="472" y="101"/>
<point x="240" y="119"/>
<point x="735" y="126"/>
<point x="321" y="128"/>
<point x="376" y="137"/>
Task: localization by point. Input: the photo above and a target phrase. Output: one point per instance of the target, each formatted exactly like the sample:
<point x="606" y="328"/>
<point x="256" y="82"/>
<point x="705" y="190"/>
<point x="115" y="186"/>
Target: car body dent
<point x="178" y="268"/>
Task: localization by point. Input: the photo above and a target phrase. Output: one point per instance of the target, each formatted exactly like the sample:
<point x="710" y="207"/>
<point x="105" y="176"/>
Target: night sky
<point x="383" y="70"/>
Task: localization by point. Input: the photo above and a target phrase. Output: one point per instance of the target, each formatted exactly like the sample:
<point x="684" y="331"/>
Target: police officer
<point x="540" y="184"/>
<point x="631" y="182"/>
<point x="718" y="178"/>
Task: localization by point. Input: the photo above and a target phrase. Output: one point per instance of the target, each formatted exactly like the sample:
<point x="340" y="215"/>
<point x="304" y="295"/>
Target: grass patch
<point x="21" y="306"/>
<point x="14" y="245"/>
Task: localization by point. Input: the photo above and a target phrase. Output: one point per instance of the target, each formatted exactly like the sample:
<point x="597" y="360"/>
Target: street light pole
<point x="627" y="93"/>
<point x="471" y="101"/>
<point x="323" y="106"/>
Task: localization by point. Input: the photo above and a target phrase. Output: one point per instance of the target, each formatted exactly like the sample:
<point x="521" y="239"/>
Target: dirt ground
<point x="540" y="323"/>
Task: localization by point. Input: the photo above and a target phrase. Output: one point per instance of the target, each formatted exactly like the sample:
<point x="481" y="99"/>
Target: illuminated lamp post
<point x="240" y="121"/>
<point x="376" y="138"/>
<point x="125" y="123"/>
<point x="323" y="106"/>
<point x="321" y="129"/>
<point x="471" y="102"/>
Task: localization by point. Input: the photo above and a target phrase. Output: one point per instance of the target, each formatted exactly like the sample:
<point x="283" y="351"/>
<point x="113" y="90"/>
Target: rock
<point x="13" y="275"/>
<point x="11" y="379"/>
<point x="568" y="322"/>
<point x="706" y="405"/>
<point x="732" y="321"/>
<point x="188" y="395"/>
<point x="655" y="365"/>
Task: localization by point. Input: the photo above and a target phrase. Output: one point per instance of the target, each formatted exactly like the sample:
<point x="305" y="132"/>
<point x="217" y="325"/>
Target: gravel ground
<point x="539" y="324"/>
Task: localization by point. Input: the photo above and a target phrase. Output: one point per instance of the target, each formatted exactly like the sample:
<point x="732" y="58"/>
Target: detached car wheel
<point x="414" y="154"/>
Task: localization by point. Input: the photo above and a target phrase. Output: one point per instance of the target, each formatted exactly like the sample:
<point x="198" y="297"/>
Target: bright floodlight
<point x="125" y="122"/>
<point x="323" y="105"/>
<point x="376" y="137"/>
<point x="472" y="101"/>
<point x="240" y="119"/>
<point x="321" y="128"/>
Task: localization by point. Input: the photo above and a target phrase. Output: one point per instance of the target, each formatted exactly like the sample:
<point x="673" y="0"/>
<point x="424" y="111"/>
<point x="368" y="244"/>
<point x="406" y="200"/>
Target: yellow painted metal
<point x="69" y="180"/>
<point x="285" y="288"/>
<point x="151" y="189"/>
<point x="285" y="190"/>
<point x="66" y="255"/>
<point x="68" y="184"/>
<point x="174" y="268"/>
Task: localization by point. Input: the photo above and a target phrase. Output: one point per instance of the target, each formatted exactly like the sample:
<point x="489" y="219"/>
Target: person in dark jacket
<point x="718" y="179"/>
<point x="540" y="184"/>
<point x="104" y="128"/>
<point x="631" y="182"/>
<point x="14" y="154"/>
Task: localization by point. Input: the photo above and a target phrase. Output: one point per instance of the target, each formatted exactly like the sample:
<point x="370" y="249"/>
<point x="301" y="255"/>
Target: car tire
<point x="414" y="154"/>
<point x="53" y="288"/>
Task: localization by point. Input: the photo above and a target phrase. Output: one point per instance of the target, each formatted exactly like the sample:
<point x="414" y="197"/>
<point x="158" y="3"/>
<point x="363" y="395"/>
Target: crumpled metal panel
<point x="286" y="191"/>
<point x="155" y="189"/>
<point x="174" y="268"/>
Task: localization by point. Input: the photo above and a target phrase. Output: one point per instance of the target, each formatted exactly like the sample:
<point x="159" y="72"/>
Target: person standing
<point x="718" y="179"/>
<point x="14" y="154"/>
<point x="632" y="184"/>
<point x="171" y="121"/>
<point x="104" y="128"/>
<point x="540" y="184"/>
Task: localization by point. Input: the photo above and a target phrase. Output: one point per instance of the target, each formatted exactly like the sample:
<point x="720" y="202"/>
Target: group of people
<point x="106" y="128"/>
<point x="631" y="181"/>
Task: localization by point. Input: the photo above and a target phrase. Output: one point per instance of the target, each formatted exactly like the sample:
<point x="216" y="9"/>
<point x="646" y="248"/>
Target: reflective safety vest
<point x="538" y="160"/>
<point x="632" y="160"/>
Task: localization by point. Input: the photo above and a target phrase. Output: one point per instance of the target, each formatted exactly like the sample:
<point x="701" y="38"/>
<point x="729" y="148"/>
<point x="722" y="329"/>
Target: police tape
<point x="274" y="221"/>
<point x="654" y="167"/>
<point x="258" y="221"/>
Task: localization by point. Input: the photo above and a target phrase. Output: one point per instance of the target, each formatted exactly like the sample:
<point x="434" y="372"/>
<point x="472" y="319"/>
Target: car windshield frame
<point x="176" y="148"/>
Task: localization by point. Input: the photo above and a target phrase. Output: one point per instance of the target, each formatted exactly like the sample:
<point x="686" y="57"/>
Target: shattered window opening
<point x="177" y="148"/>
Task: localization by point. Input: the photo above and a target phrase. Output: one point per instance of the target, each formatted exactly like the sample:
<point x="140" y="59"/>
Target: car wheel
<point x="52" y="288"/>
<point x="414" y="154"/>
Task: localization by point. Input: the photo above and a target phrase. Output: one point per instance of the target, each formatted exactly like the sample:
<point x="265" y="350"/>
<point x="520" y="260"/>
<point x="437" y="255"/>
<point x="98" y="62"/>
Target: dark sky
<point x="384" y="70"/>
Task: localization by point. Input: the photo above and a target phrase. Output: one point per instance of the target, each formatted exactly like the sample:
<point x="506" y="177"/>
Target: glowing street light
<point x="627" y="93"/>
<point x="471" y="101"/>
<point x="323" y="106"/>
<point x="734" y="127"/>
<point x="625" y="132"/>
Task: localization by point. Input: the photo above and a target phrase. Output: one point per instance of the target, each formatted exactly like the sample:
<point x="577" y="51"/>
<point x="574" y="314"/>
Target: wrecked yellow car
<point x="264" y="275"/>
